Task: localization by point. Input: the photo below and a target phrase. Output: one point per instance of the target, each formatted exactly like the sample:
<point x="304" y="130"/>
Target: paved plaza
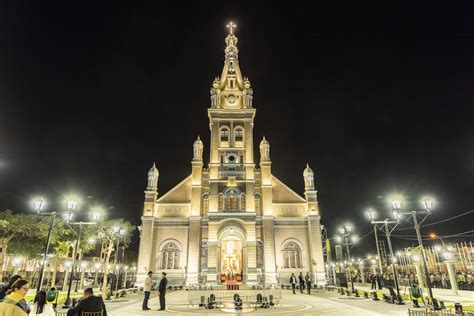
<point x="320" y="303"/>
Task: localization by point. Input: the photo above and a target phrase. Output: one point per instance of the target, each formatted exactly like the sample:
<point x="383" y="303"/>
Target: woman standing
<point x="14" y="304"/>
<point x="4" y="290"/>
<point x="41" y="307"/>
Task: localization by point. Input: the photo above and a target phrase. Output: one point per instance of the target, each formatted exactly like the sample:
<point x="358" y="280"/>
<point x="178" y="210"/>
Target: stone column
<point x="419" y="275"/>
<point x="81" y="282"/>
<point x="362" y="275"/>
<point x="66" y="276"/>
<point x="452" y="277"/>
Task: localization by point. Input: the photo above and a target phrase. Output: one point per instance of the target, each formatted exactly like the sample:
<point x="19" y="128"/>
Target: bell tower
<point x="231" y="119"/>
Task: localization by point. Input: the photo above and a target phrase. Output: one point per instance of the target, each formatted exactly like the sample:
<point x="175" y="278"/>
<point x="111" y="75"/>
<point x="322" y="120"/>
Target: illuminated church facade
<point x="232" y="219"/>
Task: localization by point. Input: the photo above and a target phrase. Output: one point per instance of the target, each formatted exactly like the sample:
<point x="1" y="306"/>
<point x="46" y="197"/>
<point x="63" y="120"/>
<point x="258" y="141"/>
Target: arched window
<point x="231" y="200"/>
<point x="292" y="256"/>
<point x="242" y="201"/>
<point x="205" y="203"/>
<point x="224" y="136"/>
<point x="239" y="136"/>
<point x="258" y="202"/>
<point x="170" y="256"/>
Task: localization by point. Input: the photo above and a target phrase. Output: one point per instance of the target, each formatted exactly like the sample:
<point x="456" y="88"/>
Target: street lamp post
<point x="428" y="206"/>
<point x="345" y="233"/>
<point x="39" y="205"/>
<point x="371" y="213"/>
<point x="95" y="216"/>
<point x="388" y="227"/>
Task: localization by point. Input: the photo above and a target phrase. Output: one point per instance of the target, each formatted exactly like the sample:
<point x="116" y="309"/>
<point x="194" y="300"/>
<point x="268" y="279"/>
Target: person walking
<point x="378" y="278"/>
<point x="162" y="291"/>
<point x="89" y="303"/>
<point x="308" y="280"/>
<point x="373" y="280"/>
<point x="4" y="290"/>
<point x="14" y="304"/>
<point x="293" y="282"/>
<point x="41" y="307"/>
<point x="147" y="291"/>
<point x="301" y="281"/>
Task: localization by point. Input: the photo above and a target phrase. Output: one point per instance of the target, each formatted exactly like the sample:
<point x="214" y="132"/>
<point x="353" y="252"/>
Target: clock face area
<point x="232" y="101"/>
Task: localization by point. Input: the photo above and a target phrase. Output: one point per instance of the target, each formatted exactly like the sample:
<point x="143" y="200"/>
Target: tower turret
<point x="153" y="175"/>
<point x="151" y="192"/>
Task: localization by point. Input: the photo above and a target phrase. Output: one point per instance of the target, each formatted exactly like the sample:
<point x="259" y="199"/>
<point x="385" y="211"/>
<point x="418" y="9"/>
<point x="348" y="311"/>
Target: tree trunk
<point x="4" y="256"/>
<point x="106" y="269"/>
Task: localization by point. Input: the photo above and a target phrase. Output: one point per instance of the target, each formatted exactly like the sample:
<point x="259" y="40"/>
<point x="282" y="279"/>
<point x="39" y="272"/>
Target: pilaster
<point x="317" y="267"/>
<point x="269" y="249"/>
<point x="145" y="251"/>
<point x="194" y="247"/>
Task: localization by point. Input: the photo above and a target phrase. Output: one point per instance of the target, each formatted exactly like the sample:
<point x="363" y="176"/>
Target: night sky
<point x="376" y="98"/>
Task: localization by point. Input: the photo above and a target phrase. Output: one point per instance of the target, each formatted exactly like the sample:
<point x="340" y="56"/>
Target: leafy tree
<point x="107" y="234"/>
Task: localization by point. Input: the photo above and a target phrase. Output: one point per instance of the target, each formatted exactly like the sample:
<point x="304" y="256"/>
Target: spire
<point x="231" y="90"/>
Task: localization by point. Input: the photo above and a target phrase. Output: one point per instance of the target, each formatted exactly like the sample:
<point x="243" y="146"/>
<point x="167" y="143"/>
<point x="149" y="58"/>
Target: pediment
<point x="284" y="194"/>
<point x="181" y="193"/>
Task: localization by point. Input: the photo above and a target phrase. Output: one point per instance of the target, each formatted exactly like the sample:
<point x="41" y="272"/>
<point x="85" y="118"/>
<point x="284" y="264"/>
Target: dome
<point x="153" y="171"/>
<point x="198" y="142"/>
<point x="308" y="172"/>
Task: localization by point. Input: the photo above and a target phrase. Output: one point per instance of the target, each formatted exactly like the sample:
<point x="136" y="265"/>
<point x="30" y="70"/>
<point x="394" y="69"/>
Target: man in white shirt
<point x="148" y="286"/>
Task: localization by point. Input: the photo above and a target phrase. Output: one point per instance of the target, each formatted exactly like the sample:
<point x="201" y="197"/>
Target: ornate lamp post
<point x="428" y="205"/>
<point x="388" y="227"/>
<point x="371" y="214"/>
<point x="345" y="233"/>
<point x="38" y="205"/>
<point x="95" y="216"/>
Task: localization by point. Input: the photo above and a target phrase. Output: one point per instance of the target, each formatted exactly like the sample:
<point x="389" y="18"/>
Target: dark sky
<point x="377" y="98"/>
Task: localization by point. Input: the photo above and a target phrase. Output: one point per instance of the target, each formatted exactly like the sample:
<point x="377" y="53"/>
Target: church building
<point x="231" y="220"/>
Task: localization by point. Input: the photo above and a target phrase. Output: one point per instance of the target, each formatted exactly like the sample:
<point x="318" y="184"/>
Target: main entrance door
<point x="232" y="261"/>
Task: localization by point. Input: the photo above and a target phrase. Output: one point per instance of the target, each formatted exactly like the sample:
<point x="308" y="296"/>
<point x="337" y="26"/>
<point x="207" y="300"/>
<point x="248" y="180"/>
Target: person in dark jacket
<point x="373" y="279"/>
<point x="162" y="291"/>
<point x="293" y="282"/>
<point x="301" y="279"/>
<point x="89" y="303"/>
<point x="4" y="290"/>
<point x="308" y="280"/>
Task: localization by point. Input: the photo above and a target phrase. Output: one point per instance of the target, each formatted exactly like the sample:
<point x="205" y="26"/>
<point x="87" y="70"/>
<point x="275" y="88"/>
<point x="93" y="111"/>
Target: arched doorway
<point x="232" y="263"/>
<point x="232" y="252"/>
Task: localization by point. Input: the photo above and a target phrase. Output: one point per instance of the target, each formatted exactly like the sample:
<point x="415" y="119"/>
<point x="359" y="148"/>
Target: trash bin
<point x="52" y="294"/>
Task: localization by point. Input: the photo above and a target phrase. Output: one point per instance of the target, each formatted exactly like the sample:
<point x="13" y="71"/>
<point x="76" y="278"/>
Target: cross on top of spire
<point x="231" y="26"/>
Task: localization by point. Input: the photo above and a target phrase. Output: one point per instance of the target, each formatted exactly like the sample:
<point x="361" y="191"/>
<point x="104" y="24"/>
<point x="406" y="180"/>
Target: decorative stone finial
<point x="264" y="150"/>
<point x="308" y="176"/>
<point x="153" y="175"/>
<point x="198" y="148"/>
